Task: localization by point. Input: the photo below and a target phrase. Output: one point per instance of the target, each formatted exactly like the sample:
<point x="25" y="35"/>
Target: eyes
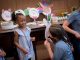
<point x="21" y="19"/>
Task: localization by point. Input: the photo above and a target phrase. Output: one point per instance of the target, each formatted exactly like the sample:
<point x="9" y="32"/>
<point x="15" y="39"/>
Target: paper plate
<point x="33" y="13"/>
<point x="6" y="15"/>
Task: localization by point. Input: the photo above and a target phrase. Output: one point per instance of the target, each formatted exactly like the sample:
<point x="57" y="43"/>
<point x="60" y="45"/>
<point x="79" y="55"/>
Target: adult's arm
<point x="66" y="27"/>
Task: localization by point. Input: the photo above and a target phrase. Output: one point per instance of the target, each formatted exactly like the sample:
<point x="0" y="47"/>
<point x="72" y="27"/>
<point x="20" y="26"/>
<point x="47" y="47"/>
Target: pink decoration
<point x="40" y="8"/>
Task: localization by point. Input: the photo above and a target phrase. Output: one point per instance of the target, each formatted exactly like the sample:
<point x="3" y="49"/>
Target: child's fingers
<point x="2" y="53"/>
<point x="33" y="38"/>
<point x="25" y="52"/>
<point x="49" y="40"/>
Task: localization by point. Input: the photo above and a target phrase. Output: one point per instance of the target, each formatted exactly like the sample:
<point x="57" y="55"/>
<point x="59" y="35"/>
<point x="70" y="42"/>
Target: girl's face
<point x="21" y="20"/>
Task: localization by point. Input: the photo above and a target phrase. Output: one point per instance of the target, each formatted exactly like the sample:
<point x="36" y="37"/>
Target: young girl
<point x="59" y="45"/>
<point x="22" y="39"/>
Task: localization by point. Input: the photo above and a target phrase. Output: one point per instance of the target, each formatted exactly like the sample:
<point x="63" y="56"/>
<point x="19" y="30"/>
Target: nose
<point x="24" y="22"/>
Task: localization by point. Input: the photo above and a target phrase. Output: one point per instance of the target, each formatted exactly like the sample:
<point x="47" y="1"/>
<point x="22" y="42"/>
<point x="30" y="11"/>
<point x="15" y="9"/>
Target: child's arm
<point x="49" y="48"/>
<point x="17" y="44"/>
<point x="51" y="44"/>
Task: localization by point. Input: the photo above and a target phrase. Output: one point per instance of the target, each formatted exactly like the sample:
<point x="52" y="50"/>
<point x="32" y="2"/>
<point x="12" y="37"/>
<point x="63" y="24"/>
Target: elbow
<point x="15" y="43"/>
<point x="65" y="25"/>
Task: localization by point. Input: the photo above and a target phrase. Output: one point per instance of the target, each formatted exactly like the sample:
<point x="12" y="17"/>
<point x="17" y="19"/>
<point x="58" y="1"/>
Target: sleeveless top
<point x="25" y="42"/>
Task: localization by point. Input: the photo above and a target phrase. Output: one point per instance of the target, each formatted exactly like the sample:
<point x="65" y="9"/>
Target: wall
<point x="64" y="5"/>
<point x="58" y="6"/>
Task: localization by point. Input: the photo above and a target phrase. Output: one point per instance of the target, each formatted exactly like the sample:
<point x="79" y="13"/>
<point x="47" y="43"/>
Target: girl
<point x="22" y="39"/>
<point x="59" y="45"/>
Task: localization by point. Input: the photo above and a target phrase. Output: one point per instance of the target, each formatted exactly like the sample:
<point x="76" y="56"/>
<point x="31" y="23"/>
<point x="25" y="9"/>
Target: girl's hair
<point x="15" y="16"/>
<point x="58" y="32"/>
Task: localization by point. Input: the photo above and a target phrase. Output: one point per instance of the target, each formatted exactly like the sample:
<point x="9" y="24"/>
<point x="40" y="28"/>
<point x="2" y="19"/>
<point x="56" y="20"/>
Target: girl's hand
<point x="33" y="38"/>
<point x="72" y="48"/>
<point x="25" y="52"/>
<point x="2" y="53"/>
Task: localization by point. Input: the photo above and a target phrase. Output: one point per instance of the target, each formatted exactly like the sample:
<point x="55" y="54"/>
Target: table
<point x="7" y="39"/>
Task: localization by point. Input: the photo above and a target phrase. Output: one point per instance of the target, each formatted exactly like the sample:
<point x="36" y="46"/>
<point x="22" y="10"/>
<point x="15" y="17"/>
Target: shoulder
<point x="61" y="45"/>
<point x="72" y="16"/>
<point x="28" y="28"/>
<point x="59" y="49"/>
<point x="17" y="30"/>
<point x="75" y="13"/>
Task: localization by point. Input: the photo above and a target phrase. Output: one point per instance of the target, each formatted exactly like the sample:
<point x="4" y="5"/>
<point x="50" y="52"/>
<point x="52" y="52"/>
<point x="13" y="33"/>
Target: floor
<point x="42" y="53"/>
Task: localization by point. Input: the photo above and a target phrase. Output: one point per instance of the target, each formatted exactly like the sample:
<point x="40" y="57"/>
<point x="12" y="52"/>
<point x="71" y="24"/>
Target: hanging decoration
<point x="6" y="14"/>
<point x="49" y="17"/>
<point x="46" y="11"/>
<point x="44" y="2"/>
<point x="26" y="11"/>
<point x="40" y="9"/>
<point x="33" y="13"/>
